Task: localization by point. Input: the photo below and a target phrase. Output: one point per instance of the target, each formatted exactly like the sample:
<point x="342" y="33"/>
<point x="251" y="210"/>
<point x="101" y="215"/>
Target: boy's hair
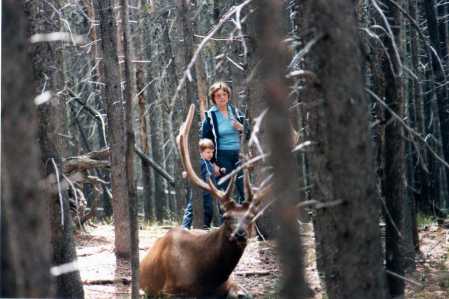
<point x="217" y="86"/>
<point x="206" y="143"/>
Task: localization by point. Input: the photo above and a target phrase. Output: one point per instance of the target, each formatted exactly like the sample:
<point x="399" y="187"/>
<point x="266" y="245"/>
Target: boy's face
<point x="207" y="154"/>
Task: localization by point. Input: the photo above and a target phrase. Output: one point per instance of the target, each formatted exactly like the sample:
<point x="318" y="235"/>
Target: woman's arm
<point x="246" y="126"/>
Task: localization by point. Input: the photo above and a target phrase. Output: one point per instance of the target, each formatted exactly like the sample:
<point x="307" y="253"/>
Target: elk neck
<point x="223" y="253"/>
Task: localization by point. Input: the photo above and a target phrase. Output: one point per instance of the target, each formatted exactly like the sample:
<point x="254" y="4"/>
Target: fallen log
<point x="123" y="280"/>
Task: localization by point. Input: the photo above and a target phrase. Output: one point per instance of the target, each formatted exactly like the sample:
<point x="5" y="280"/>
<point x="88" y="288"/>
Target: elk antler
<point x="255" y="198"/>
<point x="182" y="141"/>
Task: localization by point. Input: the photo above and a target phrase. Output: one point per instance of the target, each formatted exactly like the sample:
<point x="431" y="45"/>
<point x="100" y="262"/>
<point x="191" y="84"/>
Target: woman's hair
<point x="217" y="86"/>
<point x="206" y="143"/>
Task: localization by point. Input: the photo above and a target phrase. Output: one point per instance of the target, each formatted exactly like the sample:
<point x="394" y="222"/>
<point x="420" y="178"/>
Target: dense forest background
<point x="93" y="94"/>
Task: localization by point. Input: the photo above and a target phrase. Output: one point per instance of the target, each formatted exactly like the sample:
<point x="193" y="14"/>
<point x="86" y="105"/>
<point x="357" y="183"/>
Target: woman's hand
<point x="238" y="126"/>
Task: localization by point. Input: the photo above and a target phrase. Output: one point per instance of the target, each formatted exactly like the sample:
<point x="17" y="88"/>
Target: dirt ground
<point x="257" y="271"/>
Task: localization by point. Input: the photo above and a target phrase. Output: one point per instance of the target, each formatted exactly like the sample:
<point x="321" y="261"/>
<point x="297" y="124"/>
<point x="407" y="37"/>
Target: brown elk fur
<point x="191" y="269"/>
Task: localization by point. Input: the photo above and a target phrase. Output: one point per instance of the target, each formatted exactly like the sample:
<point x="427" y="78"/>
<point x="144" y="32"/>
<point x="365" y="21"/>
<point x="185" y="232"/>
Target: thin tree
<point x="184" y="23"/>
<point x="116" y="128"/>
<point x="275" y="91"/>
<point x="439" y="56"/>
<point x="129" y="95"/>
<point x="140" y="46"/>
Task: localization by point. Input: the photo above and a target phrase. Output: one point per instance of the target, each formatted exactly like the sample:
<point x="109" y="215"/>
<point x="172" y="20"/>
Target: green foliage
<point x="423" y="220"/>
<point x="148" y="8"/>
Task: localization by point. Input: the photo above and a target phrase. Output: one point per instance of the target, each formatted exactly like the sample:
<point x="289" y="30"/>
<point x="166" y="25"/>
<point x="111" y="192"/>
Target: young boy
<point x="207" y="171"/>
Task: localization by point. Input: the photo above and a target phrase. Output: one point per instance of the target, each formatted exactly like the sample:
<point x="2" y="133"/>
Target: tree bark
<point x="23" y="214"/>
<point x="183" y="16"/>
<point x="398" y="242"/>
<point x="116" y="129"/>
<point x="129" y="95"/>
<point x="143" y="123"/>
<point x="48" y="69"/>
<point x="266" y="226"/>
<point x="275" y="94"/>
<point x="347" y="234"/>
<point x="439" y="59"/>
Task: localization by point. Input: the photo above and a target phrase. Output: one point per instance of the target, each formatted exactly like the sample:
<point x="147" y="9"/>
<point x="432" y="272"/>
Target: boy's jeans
<point x="208" y="210"/>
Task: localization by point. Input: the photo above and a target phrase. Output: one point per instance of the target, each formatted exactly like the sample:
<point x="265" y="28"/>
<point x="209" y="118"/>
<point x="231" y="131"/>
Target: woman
<point x="224" y="124"/>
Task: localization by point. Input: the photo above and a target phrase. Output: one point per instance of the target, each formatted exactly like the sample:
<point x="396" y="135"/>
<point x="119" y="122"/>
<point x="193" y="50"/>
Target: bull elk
<point x="198" y="262"/>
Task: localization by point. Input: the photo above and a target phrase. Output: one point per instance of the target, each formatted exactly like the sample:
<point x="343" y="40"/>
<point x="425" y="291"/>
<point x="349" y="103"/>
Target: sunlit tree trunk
<point x="116" y="127"/>
<point x="184" y="22"/>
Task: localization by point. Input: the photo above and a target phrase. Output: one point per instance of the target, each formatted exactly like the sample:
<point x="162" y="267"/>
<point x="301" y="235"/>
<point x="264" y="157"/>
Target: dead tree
<point x="47" y="66"/>
<point x="275" y="92"/>
<point x="116" y="128"/>
<point x="23" y="214"/>
<point x="184" y="23"/>
<point x="129" y="95"/>
<point x="346" y="228"/>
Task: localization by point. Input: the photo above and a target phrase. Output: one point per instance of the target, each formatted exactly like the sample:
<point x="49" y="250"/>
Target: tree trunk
<point x="266" y="226"/>
<point x="275" y="94"/>
<point x="143" y="123"/>
<point x="347" y="233"/>
<point x="438" y="40"/>
<point x="129" y="95"/>
<point x="23" y="214"/>
<point x="116" y="129"/>
<point x="416" y="99"/>
<point x="394" y="153"/>
<point x="183" y="14"/>
<point x="48" y="69"/>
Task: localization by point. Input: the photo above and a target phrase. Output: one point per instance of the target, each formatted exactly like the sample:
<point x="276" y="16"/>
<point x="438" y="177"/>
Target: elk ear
<point x="231" y="186"/>
<point x="247" y="185"/>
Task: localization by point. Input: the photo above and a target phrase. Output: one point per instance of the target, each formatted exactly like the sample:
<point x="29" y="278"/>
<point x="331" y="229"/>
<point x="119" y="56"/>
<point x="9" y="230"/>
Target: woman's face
<point x="221" y="98"/>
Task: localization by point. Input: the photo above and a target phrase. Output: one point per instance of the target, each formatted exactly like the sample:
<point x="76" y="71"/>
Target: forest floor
<point x="258" y="270"/>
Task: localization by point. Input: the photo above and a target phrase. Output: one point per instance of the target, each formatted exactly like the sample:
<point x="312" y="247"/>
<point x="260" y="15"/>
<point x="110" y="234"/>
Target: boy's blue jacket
<point x="207" y="170"/>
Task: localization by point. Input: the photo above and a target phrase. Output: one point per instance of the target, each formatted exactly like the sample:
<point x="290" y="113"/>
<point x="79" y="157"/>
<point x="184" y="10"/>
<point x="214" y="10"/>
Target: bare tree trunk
<point x="23" y="214"/>
<point x="419" y="176"/>
<point x="183" y="16"/>
<point x="275" y="93"/>
<point x="347" y="233"/>
<point x="48" y="69"/>
<point x="398" y="242"/>
<point x="438" y="58"/>
<point x="160" y="201"/>
<point x="266" y="227"/>
<point x="129" y="95"/>
<point x="148" y="45"/>
<point x="116" y="129"/>
<point x="173" y="165"/>
<point x="143" y="123"/>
